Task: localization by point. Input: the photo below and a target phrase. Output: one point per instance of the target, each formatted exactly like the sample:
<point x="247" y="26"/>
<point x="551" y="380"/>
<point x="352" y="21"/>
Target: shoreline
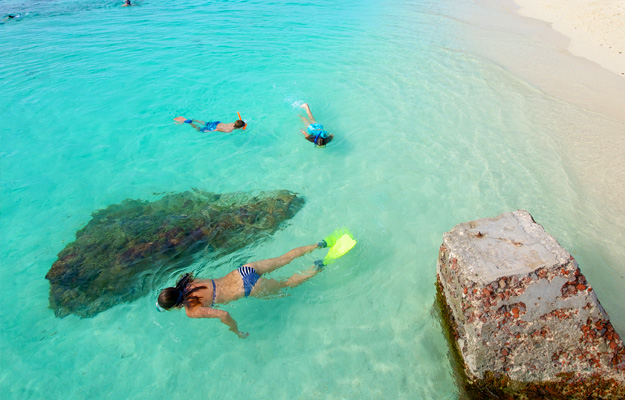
<point x="587" y="123"/>
<point x="591" y="133"/>
<point x="593" y="78"/>
<point x="521" y="39"/>
<point x="596" y="30"/>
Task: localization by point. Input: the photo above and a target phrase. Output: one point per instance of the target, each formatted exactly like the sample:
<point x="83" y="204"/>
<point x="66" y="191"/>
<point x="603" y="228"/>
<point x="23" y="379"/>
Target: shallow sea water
<point x="428" y="135"/>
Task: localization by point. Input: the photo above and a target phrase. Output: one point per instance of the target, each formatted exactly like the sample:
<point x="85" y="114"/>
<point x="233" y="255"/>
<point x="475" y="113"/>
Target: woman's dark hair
<point x="239" y="124"/>
<point x="172" y="297"/>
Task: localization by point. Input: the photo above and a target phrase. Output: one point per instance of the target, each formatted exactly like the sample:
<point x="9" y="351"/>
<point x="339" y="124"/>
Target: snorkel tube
<point x="244" y="126"/>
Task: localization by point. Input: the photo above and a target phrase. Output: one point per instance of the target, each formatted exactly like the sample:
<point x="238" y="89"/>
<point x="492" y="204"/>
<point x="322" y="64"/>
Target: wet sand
<point x="594" y="32"/>
<point x="591" y="130"/>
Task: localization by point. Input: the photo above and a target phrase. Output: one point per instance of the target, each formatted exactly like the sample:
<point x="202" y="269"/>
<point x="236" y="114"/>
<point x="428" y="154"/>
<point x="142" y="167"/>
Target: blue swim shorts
<point x="210" y="126"/>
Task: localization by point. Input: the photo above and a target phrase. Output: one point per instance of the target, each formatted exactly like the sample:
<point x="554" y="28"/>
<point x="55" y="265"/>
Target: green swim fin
<point x="334" y="236"/>
<point x="341" y="246"/>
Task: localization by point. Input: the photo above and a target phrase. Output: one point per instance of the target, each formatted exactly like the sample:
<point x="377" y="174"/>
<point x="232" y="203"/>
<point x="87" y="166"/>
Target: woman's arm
<point x="224" y="316"/>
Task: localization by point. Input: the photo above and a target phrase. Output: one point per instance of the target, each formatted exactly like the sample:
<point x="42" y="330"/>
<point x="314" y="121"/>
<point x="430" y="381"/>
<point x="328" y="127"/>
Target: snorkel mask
<point x="324" y="135"/>
<point x="159" y="308"/>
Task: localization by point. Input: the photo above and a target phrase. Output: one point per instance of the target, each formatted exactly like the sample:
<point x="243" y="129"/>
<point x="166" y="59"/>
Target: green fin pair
<point x="340" y="242"/>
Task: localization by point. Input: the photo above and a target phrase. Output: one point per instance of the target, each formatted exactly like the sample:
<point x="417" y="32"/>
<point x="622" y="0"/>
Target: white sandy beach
<point x="596" y="28"/>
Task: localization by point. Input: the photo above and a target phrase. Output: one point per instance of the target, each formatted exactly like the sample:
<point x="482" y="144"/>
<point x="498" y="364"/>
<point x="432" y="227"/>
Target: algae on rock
<point x="107" y="262"/>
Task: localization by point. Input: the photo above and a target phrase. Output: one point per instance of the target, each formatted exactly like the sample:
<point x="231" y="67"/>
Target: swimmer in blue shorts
<point x="198" y="296"/>
<point x="315" y="132"/>
<point x="211" y="126"/>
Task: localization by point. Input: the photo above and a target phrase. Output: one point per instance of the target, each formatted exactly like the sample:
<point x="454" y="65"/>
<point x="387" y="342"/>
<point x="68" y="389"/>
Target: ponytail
<point x="181" y="286"/>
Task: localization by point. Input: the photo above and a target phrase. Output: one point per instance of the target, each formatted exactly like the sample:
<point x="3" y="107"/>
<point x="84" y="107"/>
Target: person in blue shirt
<point x="315" y="132"/>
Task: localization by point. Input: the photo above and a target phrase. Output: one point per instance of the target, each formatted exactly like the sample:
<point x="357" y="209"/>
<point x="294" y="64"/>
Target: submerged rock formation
<point x="112" y="254"/>
<point x="521" y="317"/>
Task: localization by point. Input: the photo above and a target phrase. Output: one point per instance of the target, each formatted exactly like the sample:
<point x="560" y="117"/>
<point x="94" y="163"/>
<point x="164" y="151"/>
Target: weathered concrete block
<point x="522" y="317"/>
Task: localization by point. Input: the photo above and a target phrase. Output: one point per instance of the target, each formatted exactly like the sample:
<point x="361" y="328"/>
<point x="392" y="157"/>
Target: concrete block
<point x="521" y="315"/>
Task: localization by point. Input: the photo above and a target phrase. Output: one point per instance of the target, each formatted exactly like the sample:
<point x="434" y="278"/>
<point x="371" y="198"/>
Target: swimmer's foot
<point x="319" y="265"/>
<point x="182" y="120"/>
<point x="304" y="106"/>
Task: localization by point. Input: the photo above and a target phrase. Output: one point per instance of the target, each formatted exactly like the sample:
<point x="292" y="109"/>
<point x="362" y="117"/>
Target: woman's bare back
<point x="227" y="288"/>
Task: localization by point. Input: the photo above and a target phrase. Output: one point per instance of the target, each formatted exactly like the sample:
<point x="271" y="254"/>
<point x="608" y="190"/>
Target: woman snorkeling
<point x="198" y="296"/>
<point x="314" y="131"/>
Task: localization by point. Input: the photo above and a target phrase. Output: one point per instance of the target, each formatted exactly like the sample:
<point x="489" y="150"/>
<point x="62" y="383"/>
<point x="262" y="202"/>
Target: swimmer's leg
<point x="195" y="126"/>
<point x="271" y="264"/>
<point x="310" y="116"/>
<point x="305" y="120"/>
<point x="298" y="279"/>
<point x="182" y="120"/>
<point x="271" y="287"/>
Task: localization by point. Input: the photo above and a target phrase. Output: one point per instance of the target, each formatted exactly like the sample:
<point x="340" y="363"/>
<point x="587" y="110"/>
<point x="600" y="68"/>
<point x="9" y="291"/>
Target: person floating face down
<point x="199" y="296"/>
<point x="211" y="126"/>
<point x="9" y="17"/>
<point x="314" y="131"/>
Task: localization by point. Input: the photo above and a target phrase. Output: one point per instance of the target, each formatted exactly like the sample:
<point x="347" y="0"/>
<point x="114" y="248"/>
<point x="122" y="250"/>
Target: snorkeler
<point x="127" y="3"/>
<point x="212" y="126"/>
<point x="11" y="16"/>
<point x="314" y="131"/>
<point x="199" y="296"/>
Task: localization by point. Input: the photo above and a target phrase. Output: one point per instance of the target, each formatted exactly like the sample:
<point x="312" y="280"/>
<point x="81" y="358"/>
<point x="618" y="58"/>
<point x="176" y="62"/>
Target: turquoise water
<point x="428" y="135"/>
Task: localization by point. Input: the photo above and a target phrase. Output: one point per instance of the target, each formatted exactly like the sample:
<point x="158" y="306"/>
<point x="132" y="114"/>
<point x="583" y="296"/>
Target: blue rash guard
<point x="317" y="130"/>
